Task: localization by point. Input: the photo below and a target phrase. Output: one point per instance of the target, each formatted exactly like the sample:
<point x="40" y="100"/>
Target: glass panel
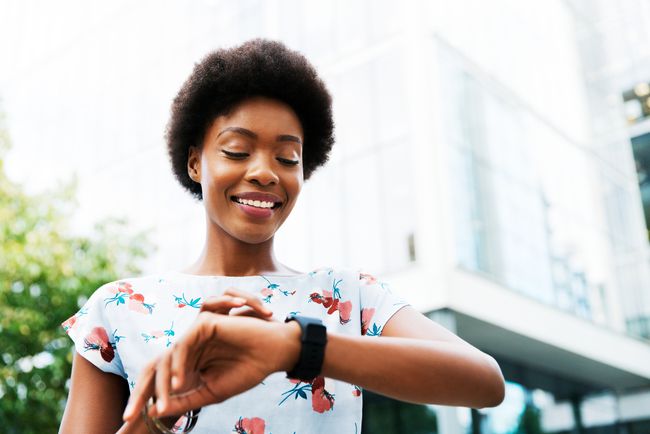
<point x="390" y="105"/>
<point x="397" y="202"/>
<point x="325" y="230"/>
<point x="364" y="216"/>
<point x="506" y="417"/>
<point x="382" y="415"/>
<point x="353" y="102"/>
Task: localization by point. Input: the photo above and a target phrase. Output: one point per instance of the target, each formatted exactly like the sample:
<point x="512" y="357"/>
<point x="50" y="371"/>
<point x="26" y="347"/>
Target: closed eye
<point x="244" y="155"/>
<point x="235" y="154"/>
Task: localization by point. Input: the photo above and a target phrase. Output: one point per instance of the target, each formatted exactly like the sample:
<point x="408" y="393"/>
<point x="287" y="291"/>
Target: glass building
<point x="491" y="163"/>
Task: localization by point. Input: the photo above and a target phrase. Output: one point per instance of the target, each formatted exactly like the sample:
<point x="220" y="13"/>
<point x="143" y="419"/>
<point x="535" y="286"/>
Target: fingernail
<point x="239" y="300"/>
<point x="175" y="382"/>
<point x="160" y="406"/>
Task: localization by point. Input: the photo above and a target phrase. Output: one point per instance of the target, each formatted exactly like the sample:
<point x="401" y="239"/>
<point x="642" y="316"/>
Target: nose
<point x="261" y="171"/>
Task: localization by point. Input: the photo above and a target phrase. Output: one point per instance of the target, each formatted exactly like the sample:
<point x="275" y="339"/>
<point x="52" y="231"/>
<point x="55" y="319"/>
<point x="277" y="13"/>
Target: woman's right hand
<point x="237" y="302"/>
<point x="232" y="302"/>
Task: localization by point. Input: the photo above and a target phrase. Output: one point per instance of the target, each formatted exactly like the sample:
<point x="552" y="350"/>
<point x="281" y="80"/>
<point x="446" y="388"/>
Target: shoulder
<point x="126" y="286"/>
<point x="135" y="293"/>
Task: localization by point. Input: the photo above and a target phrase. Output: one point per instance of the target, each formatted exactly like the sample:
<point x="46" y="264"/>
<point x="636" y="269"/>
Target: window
<point x="637" y="103"/>
<point x="641" y="150"/>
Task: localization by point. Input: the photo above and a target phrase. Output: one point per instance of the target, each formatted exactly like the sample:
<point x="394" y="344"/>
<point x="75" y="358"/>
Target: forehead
<point x="263" y="116"/>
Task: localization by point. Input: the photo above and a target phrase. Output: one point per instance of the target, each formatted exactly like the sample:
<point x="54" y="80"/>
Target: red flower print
<point x="369" y="278"/>
<point x="316" y="298"/>
<point x="121" y="287"/>
<point x="321" y="399"/>
<point x="69" y="323"/>
<point x="331" y="301"/>
<point x="333" y="305"/>
<point x="125" y="287"/>
<point x="97" y="339"/>
<point x="123" y="293"/>
<point x="255" y="425"/>
<point x="345" y="308"/>
<point x="137" y="304"/>
<point x="366" y="316"/>
<point x="356" y="391"/>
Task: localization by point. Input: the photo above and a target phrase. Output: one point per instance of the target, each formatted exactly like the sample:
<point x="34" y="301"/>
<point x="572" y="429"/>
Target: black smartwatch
<point x="312" y="352"/>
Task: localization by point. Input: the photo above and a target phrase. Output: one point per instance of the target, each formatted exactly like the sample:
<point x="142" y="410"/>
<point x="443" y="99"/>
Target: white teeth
<point x="255" y="203"/>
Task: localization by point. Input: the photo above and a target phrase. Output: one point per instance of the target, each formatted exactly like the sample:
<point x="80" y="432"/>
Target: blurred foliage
<point x="46" y="274"/>
<point x="530" y="421"/>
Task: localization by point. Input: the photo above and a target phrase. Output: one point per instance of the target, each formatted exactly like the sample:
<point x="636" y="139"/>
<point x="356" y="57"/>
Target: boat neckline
<point x="215" y="276"/>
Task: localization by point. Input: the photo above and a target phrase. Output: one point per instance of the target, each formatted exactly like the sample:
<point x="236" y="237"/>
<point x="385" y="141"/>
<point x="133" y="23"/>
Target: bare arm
<point x="95" y="402"/>
<point x="416" y="360"/>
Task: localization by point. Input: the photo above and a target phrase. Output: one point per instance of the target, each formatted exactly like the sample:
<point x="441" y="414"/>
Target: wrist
<point x="291" y="334"/>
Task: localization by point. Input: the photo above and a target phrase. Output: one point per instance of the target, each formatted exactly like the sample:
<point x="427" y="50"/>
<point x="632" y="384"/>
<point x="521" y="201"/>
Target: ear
<point x="194" y="164"/>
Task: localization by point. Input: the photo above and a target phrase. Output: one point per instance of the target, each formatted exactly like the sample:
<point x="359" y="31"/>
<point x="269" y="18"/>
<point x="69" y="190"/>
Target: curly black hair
<point x="225" y="77"/>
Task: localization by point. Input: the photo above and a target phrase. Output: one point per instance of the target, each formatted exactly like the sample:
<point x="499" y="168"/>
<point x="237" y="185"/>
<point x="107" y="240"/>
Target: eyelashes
<point x="241" y="155"/>
<point x="235" y="154"/>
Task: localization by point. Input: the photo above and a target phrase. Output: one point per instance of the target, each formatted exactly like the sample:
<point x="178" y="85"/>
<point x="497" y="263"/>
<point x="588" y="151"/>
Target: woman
<point x="248" y="127"/>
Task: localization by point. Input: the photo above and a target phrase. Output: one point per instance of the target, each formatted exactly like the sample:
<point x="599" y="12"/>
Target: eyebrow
<point x="252" y="135"/>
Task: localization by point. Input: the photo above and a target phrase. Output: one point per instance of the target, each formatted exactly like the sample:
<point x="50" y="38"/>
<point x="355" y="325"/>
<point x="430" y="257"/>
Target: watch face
<point x="316" y="333"/>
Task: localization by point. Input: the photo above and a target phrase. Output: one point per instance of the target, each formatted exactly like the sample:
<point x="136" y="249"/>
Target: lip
<point x="256" y="195"/>
<point x="254" y="212"/>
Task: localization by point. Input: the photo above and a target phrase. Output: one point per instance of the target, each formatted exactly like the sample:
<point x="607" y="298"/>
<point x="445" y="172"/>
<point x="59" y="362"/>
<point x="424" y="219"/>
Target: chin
<point x="252" y="238"/>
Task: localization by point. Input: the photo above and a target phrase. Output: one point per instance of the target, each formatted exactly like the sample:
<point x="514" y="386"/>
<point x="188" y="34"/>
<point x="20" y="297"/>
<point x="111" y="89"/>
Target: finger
<point x="252" y="300"/>
<point x="195" y="398"/>
<point x="185" y="351"/>
<point x="162" y="382"/>
<point x="143" y="390"/>
<point x="247" y="311"/>
<point x="178" y="364"/>
<point x="137" y="426"/>
<point x="222" y="304"/>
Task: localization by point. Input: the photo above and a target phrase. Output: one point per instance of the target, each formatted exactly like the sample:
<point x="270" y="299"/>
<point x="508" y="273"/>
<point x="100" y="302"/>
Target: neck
<point x="224" y="255"/>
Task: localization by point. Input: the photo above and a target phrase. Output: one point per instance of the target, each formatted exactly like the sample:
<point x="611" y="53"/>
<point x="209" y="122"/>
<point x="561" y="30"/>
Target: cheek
<point x="217" y="178"/>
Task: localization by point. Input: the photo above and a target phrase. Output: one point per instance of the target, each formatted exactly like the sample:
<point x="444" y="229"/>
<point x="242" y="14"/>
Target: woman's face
<point x="256" y="148"/>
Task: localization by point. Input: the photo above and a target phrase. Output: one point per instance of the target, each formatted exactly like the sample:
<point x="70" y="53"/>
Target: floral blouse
<point x="126" y="323"/>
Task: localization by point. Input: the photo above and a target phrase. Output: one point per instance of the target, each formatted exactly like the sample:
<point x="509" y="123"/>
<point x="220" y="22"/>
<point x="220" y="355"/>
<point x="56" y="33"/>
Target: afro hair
<point x="226" y="77"/>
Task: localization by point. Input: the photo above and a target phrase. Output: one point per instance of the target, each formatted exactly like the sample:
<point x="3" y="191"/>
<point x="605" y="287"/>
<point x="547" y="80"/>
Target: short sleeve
<point x="93" y="334"/>
<point x="378" y="304"/>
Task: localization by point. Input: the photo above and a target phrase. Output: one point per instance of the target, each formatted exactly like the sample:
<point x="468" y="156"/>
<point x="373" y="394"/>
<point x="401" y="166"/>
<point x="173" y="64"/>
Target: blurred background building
<point x="492" y="164"/>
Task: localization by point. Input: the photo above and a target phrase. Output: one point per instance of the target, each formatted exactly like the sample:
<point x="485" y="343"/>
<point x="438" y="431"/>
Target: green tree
<point x="530" y="421"/>
<point x="46" y="274"/>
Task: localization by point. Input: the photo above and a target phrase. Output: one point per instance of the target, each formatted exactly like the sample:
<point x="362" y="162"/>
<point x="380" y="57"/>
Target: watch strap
<point x="312" y="352"/>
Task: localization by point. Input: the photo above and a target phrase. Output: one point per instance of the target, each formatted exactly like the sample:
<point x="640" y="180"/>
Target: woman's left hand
<point x="219" y="357"/>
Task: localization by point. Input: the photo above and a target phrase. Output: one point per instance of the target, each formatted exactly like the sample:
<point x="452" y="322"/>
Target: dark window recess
<point x="637" y="103"/>
<point x="411" y="244"/>
<point x="382" y="415"/>
<point x="641" y="150"/>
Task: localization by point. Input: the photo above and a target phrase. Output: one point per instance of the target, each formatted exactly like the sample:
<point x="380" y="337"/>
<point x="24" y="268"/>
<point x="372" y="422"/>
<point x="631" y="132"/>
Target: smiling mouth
<point x="235" y="199"/>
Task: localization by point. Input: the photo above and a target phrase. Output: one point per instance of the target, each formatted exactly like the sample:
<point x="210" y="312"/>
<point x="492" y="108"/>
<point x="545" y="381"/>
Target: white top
<point x="126" y="323"/>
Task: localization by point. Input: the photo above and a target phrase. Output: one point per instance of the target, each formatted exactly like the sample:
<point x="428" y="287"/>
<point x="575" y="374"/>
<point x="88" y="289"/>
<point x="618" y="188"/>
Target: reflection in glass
<point x="382" y="415"/>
